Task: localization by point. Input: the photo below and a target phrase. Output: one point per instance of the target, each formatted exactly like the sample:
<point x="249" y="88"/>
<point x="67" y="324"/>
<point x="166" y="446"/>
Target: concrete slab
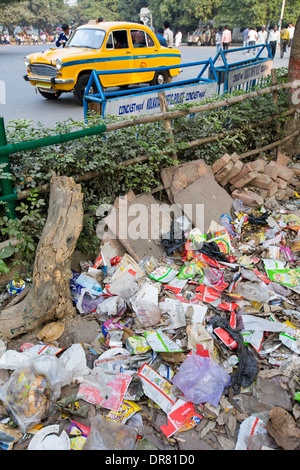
<point x="204" y="201"/>
<point x="138" y="223"/>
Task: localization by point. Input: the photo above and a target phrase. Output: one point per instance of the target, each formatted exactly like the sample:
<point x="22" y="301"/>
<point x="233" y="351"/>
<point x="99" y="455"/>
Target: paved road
<point x="22" y="101"/>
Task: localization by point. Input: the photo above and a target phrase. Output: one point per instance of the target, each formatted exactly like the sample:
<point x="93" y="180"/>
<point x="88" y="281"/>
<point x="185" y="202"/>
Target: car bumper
<point x="53" y="81"/>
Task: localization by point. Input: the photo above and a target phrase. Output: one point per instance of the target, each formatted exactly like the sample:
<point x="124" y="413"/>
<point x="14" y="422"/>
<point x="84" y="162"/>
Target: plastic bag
<point x="31" y="390"/>
<point x="247" y="367"/>
<point x="253" y="291"/>
<point x="108" y="435"/>
<point x="201" y="380"/>
<point x="147" y="312"/>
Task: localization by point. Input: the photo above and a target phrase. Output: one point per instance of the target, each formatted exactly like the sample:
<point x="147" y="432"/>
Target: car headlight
<point x="58" y="64"/>
<point x="27" y="61"/>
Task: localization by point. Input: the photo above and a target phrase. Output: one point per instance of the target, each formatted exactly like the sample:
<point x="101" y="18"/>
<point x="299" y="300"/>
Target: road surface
<point x="23" y="102"/>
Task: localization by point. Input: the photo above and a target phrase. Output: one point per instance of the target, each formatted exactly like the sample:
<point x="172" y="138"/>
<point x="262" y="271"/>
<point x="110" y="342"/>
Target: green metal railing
<point x="9" y="196"/>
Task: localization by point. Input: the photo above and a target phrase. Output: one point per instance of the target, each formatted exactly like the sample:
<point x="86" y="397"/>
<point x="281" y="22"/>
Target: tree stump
<point x="49" y="297"/>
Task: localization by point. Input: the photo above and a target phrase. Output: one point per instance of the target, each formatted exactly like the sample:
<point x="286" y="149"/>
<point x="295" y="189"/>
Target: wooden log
<point x="49" y="297"/>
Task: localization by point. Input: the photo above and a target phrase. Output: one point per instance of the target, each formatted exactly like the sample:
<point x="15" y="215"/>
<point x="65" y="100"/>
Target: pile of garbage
<point x="199" y="349"/>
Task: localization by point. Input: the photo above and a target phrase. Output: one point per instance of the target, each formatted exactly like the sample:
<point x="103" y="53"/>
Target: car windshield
<point x="91" y="38"/>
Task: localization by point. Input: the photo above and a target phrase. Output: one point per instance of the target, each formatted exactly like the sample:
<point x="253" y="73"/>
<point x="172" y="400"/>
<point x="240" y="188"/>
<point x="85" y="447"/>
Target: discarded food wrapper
<point x="222" y="240"/>
<point x="163" y="274"/>
<point x="189" y="271"/>
<point x="15" y="287"/>
<point x="49" y="439"/>
<point x="88" y="282"/>
<point x="165" y="371"/>
<point x="104" y="390"/>
<point x="127" y="410"/>
<point x="160" y="342"/>
<point x="176" y="285"/>
<point x="78" y="434"/>
<point x="226" y="338"/>
<point x="8" y="436"/>
<point x="182" y="417"/>
<point x="157" y="388"/>
<point x="137" y="345"/>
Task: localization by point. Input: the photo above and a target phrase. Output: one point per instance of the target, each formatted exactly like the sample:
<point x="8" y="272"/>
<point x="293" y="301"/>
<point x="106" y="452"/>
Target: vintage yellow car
<point x="106" y="46"/>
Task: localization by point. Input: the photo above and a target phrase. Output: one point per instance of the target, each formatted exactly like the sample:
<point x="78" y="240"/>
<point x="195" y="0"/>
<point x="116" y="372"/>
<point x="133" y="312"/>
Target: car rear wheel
<point x="161" y="78"/>
<point x="80" y="88"/>
<point x="49" y="95"/>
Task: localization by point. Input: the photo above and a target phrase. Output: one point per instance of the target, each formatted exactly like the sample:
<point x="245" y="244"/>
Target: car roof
<point x="107" y="25"/>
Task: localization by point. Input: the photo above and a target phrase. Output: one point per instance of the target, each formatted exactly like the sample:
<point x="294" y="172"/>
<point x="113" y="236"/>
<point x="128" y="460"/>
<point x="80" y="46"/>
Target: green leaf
<point x="3" y="267"/>
<point x="6" y="252"/>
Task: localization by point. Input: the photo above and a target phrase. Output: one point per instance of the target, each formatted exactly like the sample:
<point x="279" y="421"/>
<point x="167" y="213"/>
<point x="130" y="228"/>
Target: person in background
<point x="64" y="36"/>
<point x="291" y="29"/>
<point x="284" y="40"/>
<point x="219" y="39"/>
<point x="252" y="37"/>
<point x="100" y="20"/>
<point x="274" y="37"/>
<point x="161" y="38"/>
<point x="226" y="38"/>
<point x="168" y="34"/>
<point x="262" y="35"/>
<point x="178" y="38"/>
<point x="245" y="38"/>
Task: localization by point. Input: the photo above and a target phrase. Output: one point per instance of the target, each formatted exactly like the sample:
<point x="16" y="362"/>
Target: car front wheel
<point x="80" y="88"/>
<point x="161" y="78"/>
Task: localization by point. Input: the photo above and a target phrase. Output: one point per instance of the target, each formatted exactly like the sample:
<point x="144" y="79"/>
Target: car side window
<point x="150" y="42"/>
<point x="117" y="40"/>
<point x="138" y="38"/>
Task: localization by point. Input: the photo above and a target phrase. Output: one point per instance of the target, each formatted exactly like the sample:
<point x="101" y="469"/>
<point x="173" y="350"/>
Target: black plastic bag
<point x="247" y="366"/>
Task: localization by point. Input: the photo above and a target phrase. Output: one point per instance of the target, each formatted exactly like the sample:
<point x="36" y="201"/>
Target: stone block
<point x="224" y="172"/>
<point x="283" y="159"/>
<point x="272" y="190"/>
<point x="249" y="198"/>
<point x="218" y="165"/>
<point x="246" y="179"/>
<point x="282" y="184"/>
<point x="275" y="170"/>
<point x="257" y="165"/>
<point x="237" y="167"/>
<point x="262" y="181"/>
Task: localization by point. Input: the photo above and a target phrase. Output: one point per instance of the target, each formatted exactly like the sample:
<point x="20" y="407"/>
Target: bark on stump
<point x="49" y="297"/>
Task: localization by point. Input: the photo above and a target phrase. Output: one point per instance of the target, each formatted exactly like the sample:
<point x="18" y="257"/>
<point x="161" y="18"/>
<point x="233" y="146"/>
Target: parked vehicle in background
<point x="106" y="46"/>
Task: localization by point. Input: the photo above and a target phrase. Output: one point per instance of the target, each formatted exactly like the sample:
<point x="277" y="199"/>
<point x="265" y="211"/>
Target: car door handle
<point x="128" y="52"/>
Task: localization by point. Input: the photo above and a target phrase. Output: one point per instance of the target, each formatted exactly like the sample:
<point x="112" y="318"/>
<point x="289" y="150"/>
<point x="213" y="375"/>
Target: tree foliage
<point x="182" y="14"/>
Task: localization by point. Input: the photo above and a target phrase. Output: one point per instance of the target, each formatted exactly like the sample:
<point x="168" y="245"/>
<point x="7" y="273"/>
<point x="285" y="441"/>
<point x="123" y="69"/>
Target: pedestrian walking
<point x="160" y="37"/>
<point x="262" y="35"/>
<point x="284" y="40"/>
<point x="219" y="39"/>
<point x="291" y="29"/>
<point x="274" y="37"/>
<point x="245" y="38"/>
<point x="226" y="38"/>
<point x="252" y="37"/>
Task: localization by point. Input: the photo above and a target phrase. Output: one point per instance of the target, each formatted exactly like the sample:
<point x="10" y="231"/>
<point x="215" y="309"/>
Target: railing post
<point x="6" y="183"/>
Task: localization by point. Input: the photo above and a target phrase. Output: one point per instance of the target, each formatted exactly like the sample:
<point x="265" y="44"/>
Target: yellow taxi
<point x="106" y="46"/>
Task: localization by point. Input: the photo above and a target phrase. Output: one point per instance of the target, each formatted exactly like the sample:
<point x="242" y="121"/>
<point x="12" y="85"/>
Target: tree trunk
<point x="293" y="75"/>
<point x="49" y="297"/>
